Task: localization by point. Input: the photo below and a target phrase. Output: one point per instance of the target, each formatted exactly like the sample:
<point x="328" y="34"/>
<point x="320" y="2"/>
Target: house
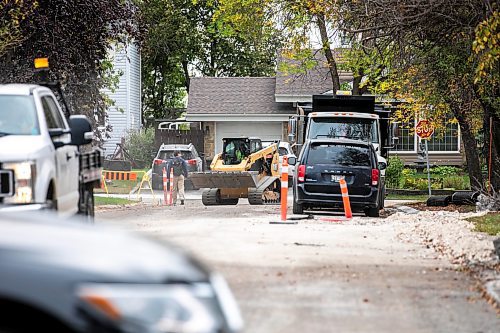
<point x="237" y="106"/>
<point x="125" y="115"/>
<point x="260" y="107"/>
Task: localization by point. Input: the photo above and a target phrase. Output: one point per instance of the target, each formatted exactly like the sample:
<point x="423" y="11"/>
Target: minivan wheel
<point x="298" y="208"/>
<point x="372" y="212"/>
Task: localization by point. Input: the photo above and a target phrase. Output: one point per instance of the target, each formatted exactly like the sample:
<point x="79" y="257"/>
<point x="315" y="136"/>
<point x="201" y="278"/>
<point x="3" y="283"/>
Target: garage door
<point x="264" y="131"/>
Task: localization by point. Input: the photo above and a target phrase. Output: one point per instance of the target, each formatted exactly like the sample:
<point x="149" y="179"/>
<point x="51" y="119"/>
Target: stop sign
<point x="424" y="129"/>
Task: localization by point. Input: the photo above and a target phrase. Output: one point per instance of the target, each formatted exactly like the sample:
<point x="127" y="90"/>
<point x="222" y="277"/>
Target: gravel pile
<point x="449" y="234"/>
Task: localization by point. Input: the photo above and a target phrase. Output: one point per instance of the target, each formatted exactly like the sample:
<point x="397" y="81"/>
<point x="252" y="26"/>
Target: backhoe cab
<point x="237" y="149"/>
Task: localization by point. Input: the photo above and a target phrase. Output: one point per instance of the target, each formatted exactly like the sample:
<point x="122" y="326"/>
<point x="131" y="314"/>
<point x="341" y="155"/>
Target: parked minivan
<point x="321" y="165"/>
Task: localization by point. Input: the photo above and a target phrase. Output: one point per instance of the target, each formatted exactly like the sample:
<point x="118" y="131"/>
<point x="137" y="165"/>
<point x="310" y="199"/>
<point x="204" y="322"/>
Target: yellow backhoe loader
<point x="243" y="170"/>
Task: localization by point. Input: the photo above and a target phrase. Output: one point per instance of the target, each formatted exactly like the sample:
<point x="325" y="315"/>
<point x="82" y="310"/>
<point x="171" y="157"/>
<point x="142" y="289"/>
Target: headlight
<point x="155" y="308"/>
<point x="24" y="175"/>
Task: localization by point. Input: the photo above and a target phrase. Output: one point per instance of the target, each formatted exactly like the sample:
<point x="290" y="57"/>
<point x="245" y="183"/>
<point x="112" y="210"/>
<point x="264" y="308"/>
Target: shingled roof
<point x="315" y="81"/>
<point x="234" y="95"/>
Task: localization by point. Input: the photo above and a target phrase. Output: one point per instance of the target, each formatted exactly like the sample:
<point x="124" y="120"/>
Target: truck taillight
<point x="158" y="161"/>
<point x="375" y="176"/>
<point x="301" y="174"/>
<point x="191" y="162"/>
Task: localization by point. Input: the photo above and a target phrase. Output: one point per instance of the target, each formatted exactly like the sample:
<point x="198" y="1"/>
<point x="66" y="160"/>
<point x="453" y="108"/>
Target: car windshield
<point x="18" y="116"/>
<point x="169" y="154"/>
<point x="338" y="155"/>
<point x="344" y="128"/>
<point x="282" y="151"/>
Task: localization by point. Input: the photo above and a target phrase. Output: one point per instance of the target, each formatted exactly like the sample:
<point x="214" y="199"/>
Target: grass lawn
<point x="489" y="223"/>
<point x="111" y="201"/>
<point x="422" y="198"/>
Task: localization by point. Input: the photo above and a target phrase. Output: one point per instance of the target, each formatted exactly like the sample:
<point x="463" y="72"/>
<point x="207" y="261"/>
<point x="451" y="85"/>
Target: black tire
<point x="90" y="205"/>
<point x="297" y="208"/>
<point x="372" y="212"/>
<point x="50" y="202"/>
<point x="87" y="205"/>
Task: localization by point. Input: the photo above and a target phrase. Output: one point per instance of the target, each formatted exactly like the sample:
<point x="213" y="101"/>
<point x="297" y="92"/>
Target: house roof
<point x="316" y="80"/>
<point x="234" y="95"/>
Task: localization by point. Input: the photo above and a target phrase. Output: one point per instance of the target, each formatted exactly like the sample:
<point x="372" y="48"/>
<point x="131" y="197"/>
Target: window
<point x="338" y="155"/>
<point x="406" y="135"/>
<point x="343" y="127"/>
<point x="282" y="151"/>
<point x="18" y="116"/>
<point x="52" y="114"/>
<point x="445" y="139"/>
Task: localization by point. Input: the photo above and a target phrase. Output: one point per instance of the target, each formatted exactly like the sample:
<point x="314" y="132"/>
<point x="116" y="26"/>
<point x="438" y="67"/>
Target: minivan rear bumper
<point x="358" y="202"/>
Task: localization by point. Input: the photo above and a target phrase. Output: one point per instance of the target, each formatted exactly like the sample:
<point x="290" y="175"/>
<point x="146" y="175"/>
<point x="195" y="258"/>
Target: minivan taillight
<point x="375" y="176"/>
<point x="301" y="174"/>
<point x="191" y="162"/>
<point x="158" y="161"/>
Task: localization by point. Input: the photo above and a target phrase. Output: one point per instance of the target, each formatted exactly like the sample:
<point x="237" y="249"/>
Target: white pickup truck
<point x="40" y="158"/>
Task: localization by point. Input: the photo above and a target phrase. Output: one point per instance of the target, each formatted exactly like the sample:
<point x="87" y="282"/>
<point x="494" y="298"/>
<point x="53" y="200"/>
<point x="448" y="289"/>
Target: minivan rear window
<point x="168" y="154"/>
<point x="338" y="155"/>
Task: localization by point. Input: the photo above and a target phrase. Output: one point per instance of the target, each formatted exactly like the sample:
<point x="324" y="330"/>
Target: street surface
<point x="365" y="275"/>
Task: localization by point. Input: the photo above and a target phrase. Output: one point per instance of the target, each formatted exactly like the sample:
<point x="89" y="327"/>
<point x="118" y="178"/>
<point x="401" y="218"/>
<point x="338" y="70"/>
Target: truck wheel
<point x="87" y="205"/>
<point x="50" y="201"/>
<point x="372" y="212"/>
<point x="297" y="208"/>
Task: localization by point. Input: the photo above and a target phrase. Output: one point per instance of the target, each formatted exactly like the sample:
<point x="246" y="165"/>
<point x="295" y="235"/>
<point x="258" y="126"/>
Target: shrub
<point x="393" y="172"/>
<point x="443" y="171"/>
<point x="456" y="182"/>
<point x="407" y="178"/>
<point x="140" y="145"/>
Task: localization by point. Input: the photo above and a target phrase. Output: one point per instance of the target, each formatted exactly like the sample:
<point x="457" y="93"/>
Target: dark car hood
<point x="91" y="253"/>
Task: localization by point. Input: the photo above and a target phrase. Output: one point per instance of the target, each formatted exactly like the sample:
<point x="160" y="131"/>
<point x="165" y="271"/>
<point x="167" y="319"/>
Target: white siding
<point x="125" y="115"/>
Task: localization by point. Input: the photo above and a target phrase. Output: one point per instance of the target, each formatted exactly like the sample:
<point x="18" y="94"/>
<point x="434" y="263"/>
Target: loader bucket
<point x="216" y="179"/>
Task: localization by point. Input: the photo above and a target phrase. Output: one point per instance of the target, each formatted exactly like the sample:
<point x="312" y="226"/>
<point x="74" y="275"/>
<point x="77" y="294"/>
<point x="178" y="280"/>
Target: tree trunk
<point x="492" y="121"/>
<point x="356" y="90"/>
<point x="186" y="75"/>
<point x="332" y="65"/>
<point x="471" y="153"/>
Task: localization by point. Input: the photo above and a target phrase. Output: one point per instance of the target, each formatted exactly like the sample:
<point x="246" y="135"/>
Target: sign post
<point x="424" y="130"/>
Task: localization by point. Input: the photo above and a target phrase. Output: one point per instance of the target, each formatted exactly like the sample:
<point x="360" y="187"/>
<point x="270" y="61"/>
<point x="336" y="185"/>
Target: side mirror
<point x="81" y="130"/>
<point x="292" y="160"/>
<point x="382" y="165"/>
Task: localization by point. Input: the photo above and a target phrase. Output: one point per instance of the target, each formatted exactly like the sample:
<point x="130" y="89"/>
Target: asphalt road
<point x="319" y="276"/>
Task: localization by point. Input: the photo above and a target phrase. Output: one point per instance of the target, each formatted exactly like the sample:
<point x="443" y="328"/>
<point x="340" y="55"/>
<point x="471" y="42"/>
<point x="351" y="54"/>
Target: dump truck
<point x="244" y="169"/>
<point x="343" y="116"/>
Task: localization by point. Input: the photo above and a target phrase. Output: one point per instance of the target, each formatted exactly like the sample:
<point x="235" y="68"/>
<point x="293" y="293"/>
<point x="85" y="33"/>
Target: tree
<point x="184" y="38"/>
<point x="295" y="21"/>
<point x="12" y="15"/>
<point x="75" y="35"/>
<point x="436" y="39"/>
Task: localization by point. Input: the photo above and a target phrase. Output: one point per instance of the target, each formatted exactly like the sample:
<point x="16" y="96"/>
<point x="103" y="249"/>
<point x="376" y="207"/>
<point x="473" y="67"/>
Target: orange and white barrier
<point x="284" y="188"/>
<point x="171" y="202"/>
<point x="345" y="198"/>
<point x="165" y="184"/>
